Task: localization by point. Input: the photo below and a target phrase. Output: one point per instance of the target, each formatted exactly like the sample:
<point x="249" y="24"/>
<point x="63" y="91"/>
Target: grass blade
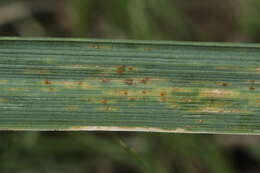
<point x="77" y="84"/>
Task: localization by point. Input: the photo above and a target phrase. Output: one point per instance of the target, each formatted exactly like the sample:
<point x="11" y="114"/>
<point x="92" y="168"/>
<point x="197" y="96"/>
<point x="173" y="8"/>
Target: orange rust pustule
<point x="144" y="80"/>
<point x="224" y="84"/>
<point x="104" y="101"/>
<point x="143" y="92"/>
<point x="252" y="88"/>
<point x="125" y="93"/>
<point x="131" y="98"/>
<point x="46" y="82"/>
<point x="162" y="94"/>
<point x="130" y="68"/>
<point x="80" y="83"/>
<point x="129" y="81"/>
<point x="121" y="70"/>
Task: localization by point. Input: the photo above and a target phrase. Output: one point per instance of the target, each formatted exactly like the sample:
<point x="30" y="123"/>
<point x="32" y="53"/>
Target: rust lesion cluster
<point x="49" y="89"/>
<point x="47" y="82"/>
<point x="252" y="88"/>
<point x="145" y="80"/>
<point x="224" y="84"/>
<point x="129" y="81"/>
<point x="123" y="69"/>
<point x="162" y="95"/>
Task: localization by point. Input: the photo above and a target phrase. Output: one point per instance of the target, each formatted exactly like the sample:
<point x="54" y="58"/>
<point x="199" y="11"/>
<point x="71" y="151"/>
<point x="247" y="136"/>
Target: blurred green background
<point x="117" y="152"/>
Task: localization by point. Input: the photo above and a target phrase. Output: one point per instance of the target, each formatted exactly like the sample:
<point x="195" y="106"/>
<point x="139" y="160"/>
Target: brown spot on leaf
<point x="224" y="84"/>
<point x="104" y="101"/>
<point x="120" y="70"/>
<point x="46" y="82"/>
<point x="143" y="92"/>
<point x="130" y="68"/>
<point x="162" y="94"/>
<point x="125" y="93"/>
<point x="129" y="81"/>
<point x="144" y="80"/>
<point x="252" y="88"/>
<point x="131" y="98"/>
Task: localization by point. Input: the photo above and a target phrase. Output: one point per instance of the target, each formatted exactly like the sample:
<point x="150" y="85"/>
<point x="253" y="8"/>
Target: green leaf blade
<point x="77" y="84"/>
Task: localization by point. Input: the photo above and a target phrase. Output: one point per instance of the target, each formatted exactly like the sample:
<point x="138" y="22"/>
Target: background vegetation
<point x="107" y="152"/>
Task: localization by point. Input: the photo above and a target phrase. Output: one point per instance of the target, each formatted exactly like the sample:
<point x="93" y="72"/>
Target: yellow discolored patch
<point x="131" y="98"/>
<point x="3" y="81"/>
<point x="73" y="84"/>
<point x="85" y="98"/>
<point x="181" y="90"/>
<point x="257" y="69"/>
<point x="80" y="67"/>
<point x="107" y="108"/>
<point x="17" y="89"/>
<point x="144" y="92"/>
<point x="172" y="105"/>
<point x="50" y="89"/>
<point x="104" y="101"/>
<point x="218" y="93"/>
<point x="72" y="108"/>
<point x="3" y="100"/>
<point x="124" y="93"/>
<point x="185" y="100"/>
<point x="218" y="110"/>
<point x="68" y="84"/>
<point x="85" y="85"/>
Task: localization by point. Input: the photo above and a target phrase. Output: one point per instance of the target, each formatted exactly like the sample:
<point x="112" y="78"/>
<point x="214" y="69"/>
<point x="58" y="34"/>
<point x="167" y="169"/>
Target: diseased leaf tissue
<point x="59" y="84"/>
